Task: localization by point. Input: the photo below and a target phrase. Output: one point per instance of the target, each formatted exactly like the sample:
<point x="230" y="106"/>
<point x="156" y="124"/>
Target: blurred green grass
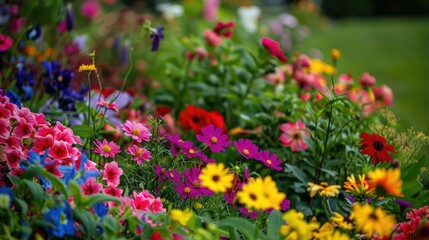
<point x="395" y="51"/>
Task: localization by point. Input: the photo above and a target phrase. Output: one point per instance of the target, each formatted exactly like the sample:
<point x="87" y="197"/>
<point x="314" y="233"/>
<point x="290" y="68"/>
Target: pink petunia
<point x="139" y="154"/>
<point x="136" y="130"/>
<point x="112" y="173"/>
<point x="43" y="143"/>
<point x="91" y="186"/>
<point x="106" y="149"/>
<point x="113" y="191"/>
<point x="23" y="129"/>
<point x="12" y="143"/>
<point x="294" y="135"/>
<point x="4" y="128"/>
<point x="59" y="151"/>
<point x="142" y="202"/>
<point x="384" y="94"/>
<point x="13" y="158"/>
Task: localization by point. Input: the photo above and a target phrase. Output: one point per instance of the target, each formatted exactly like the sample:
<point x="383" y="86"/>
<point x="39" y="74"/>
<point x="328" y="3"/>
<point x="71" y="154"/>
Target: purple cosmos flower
<point x="176" y="144"/>
<point x="205" y="159"/>
<point x="245" y="212"/>
<point x="185" y="189"/>
<point x="189" y="150"/>
<point x="156" y="34"/>
<point x="246" y="148"/>
<point x="229" y="197"/>
<point x="193" y="177"/>
<point x="173" y="175"/>
<point x="270" y="160"/>
<point x="159" y="171"/>
<point x="214" y="138"/>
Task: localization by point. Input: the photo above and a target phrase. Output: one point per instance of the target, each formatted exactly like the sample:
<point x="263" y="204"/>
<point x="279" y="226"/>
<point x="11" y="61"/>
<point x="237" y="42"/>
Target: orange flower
<point x="388" y="180"/>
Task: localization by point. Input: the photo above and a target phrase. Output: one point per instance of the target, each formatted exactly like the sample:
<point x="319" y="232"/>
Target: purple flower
<point x="247" y="212"/>
<point x="156" y="34"/>
<point x="403" y="203"/>
<point x="159" y="171"/>
<point x="172" y="175"/>
<point x="229" y="197"/>
<point x="205" y="159"/>
<point x="176" y="144"/>
<point x="214" y="138"/>
<point x="270" y="160"/>
<point x="189" y="149"/>
<point x="185" y="189"/>
<point x="246" y="148"/>
<point x="193" y="177"/>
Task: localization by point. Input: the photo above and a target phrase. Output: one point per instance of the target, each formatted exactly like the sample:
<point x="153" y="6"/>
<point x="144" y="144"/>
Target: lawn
<point x="395" y="51"/>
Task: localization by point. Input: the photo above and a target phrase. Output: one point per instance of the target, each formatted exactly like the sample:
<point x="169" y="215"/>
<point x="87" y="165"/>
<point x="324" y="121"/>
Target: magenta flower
<point x="112" y="173"/>
<point x="159" y="172"/>
<point x="367" y="80"/>
<point x="113" y="191"/>
<point x="214" y="138"/>
<point x="5" y="43"/>
<point x="185" y="189"/>
<point x="106" y="149"/>
<point x="106" y="104"/>
<point x="172" y="175"/>
<point x="190" y="150"/>
<point x="270" y="160"/>
<point x="204" y="158"/>
<point x="136" y="130"/>
<point x="192" y="177"/>
<point x="176" y="142"/>
<point x="294" y="135"/>
<point x="246" y="148"/>
<point x="139" y="154"/>
<point x="91" y="186"/>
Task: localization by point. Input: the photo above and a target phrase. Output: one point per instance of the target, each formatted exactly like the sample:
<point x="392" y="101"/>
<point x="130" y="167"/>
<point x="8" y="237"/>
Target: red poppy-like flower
<point x="224" y="29"/>
<point x="194" y="118"/>
<point x="375" y="146"/>
<point x="274" y="48"/>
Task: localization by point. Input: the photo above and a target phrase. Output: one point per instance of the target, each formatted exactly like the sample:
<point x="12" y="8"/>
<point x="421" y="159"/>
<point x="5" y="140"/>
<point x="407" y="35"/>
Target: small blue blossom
<point x="34" y="33"/>
<point x="100" y="209"/>
<point x="13" y="98"/>
<point x="6" y="197"/>
<point x="157" y="35"/>
<point x="61" y="217"/>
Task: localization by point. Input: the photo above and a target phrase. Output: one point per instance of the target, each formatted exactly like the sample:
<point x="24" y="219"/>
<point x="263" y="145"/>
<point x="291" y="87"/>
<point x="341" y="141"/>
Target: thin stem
<point x="325" y="145"/>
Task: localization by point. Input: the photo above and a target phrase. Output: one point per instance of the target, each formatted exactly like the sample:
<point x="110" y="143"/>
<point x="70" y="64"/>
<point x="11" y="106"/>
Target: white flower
<point x="170" y="11"/>
<point x="249" y="17"/>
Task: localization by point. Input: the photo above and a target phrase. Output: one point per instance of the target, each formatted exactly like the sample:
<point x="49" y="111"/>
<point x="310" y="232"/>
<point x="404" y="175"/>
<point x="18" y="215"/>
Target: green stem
<point x="325" y="145"/>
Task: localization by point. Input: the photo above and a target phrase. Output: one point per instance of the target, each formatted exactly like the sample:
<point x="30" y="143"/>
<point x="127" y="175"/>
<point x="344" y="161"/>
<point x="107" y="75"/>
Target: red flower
<point x="224" y="29"/>
<point x="274" y="48"/>
<point x="194" y="118"/>
<point x="375" y="146"/>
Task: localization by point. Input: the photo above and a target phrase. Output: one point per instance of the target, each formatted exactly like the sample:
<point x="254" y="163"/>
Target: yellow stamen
<point x="245" y="152"/>
<point x="135" y="131"/>
<point x="106" y="149"/>
<point x="213" y="140"/>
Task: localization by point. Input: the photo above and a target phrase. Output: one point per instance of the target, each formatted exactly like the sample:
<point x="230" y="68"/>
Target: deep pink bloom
<point x="175" y="143"/>
<point x="212" y="38"/>
<point x="367" y="80"/>
<point x="13" y="158"/>
<point x="224" y="29"/>
<point x="245" y="212"/>
<point x="23" y="129"/>
<point x="157" y="206"/>
<point x="278" y="77"/>
<point x="139" y="154"/>
<point x="113" y="191"/>
<point x="4" y="112"/>
<point x="211" y="9"/>
<point x="303" y="61"/>
<point x="112" y="173"/>
<point x="294" y="135"/>
<point x="4" y="128"/>
<point x="91" y="186"/>
<point x="190" y="150"/>
<point x="204" y="158"/>
<point x="51" y="166"/>
<point x="12" y="143"/>
<point x="142" y="202"/>
<point x="5" y="43"/>
<point x="186" y="190"/>
<point x="106" y="104"/>
<point x="214" y="138"/>
<point x="90" y="9"/>
<point x="384" y="94"/>
<point x="274" y="48"/>
<point x="43" y="143"/>
<point x="136" y="130"/>
<point x="270" y="160"/>
<point x="59" y="151"/>
<point x="246" y="148"/>
<point x="106" y="149"/>
<point x="159" y="172"/>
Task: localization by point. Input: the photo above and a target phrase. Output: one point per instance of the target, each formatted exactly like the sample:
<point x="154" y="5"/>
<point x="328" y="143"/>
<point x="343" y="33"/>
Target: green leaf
<point x="243" y="226"/>
<point x="274" y="223"/>
<point x="110" y="226"/>
<point x="22" y="205"/>
<point x="76" y="193"/>
<point x="88" y="223"/>
<point x="89" y="201"/>
<point x="298" y="173"/>
<point x="411" y="188"/>
<point x="56" y="182"/>
<point x="36" y="190"/>
<point x="412" y="171"/>
<point x="82" y="130"/>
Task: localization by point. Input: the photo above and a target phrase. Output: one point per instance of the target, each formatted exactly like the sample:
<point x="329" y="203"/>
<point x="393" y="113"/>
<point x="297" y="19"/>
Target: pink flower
<point x="142" y="202"/>
<point x="105" y="104"/>
<point x="214" y="138"/>
<point x="139" y="154"/>
<point x="23" y="129"/>
<point x="212" y="38"/>
<point x="113" y="191"/>
<point x="246" y="148"/>
<point x="294" y="135"/>
<point x="157" y="206"/>
<point x="112" y="173"/>
<point x="278" y="77"/>
<point x="12" y="143"/>
<point x="5" y="43"/>
<point x="224" y="29"/>
<point x="106" y="149"/>
<point x="4" y="112"/>
<point x="136" y="130"/>
<point x="367" y="80"/>
<point x="90" y="9"/>
<point x="385" y="94"/>
<point x="210" y="9"/>
<point x="59" y="151"/>
<point x="274" y="48"/>
<point x="91" y="186"/>
<point x="4" y="128"/>
<point x="13" y="159"/>
<point x="43" y="143"/>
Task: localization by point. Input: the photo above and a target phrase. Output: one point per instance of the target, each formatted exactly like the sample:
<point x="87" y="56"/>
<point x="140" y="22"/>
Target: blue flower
<point x="61" y="218"/>
<point x="6" y="197"/>
<point x="35" y="159"/>
<point x="13" y="98"/>
<point x="100" y="209"/>
<point x="70" y="171"/>
<point x="156" y="34"/>
<point x="34" y="33"/>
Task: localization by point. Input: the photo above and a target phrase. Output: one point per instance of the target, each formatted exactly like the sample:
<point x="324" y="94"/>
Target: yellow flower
<point x="388" y="180"/>
<point x="216" y="177"/>
<point x="296" y="227"/>
<point x="372" y="220"/>
<point x="323" y="189"/>
<point x="87" y="68"/>
<point x="182" y="217"/>
<point x="342" y="222"/>
<point x="252" y="195"/>
<point x="324" y="231"/>
<point x="272" y="193"/>
<point x="335" y="53"/>
<point x="337" y="236"/>
<point x="318" y="66"/>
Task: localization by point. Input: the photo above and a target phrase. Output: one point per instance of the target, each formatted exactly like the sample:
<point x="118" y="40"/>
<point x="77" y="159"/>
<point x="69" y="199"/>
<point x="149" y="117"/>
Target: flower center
<point x="171" y="175"/>
<point x="296" y="135"/>
<point x="196" y="184"/>
<point x="60" y="78"/>
<point x="139" y="152"/>
<point x="269" y="162"/>
<point x="136" y="131"/>
<point x="106" y="149"/>
<point x="216" y="178"/>
<point x="213" y="139"/>
<point x="378" y="145"/>
<point x="191" y="151"/>
<point x="373" y="216"/>
<point x="245" y="152"/>
<point x="187" y="190"/>
<point x="253" y="197"/>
